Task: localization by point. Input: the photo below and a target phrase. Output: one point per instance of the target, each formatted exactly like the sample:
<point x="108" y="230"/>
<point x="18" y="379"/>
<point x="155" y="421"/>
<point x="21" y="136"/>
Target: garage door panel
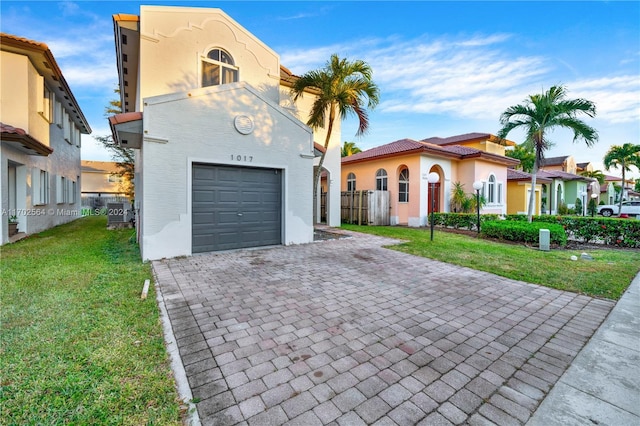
<point x="235" y="207"/>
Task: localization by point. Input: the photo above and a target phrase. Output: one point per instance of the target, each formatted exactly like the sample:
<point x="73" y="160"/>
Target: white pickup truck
<point x="631" y="208"/>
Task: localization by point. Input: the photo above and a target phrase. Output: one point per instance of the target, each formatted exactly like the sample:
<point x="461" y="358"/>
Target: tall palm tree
<point x="622" y="157"/>
<point x="594" y="174"/>
<point x="348" y="149"/>
<point x="540" y="114"/>
<point x="342" y="88"/>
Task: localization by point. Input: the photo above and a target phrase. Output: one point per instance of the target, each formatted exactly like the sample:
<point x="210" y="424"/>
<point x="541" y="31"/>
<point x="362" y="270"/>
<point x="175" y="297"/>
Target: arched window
<point x="491" y="190"/>
<point x="351" y="182"/>
<point x="218" y="68"/>
<point x="381" y="180"/>
<point x="403" y="186"/>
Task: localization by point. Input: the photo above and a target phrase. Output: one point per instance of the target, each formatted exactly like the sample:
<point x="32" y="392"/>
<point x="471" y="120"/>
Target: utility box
<point x="544" y="239"/>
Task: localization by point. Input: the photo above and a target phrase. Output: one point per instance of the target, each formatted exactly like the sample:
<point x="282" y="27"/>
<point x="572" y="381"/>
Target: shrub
<point x="563" y="209"/>
<point x="523" y="231"/>
<point x="610" y="231"/>
<point x="461" y="220"/>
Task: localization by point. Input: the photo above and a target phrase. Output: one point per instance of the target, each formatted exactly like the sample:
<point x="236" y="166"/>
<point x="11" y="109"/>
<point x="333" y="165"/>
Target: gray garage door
<point x="235" y="207"/>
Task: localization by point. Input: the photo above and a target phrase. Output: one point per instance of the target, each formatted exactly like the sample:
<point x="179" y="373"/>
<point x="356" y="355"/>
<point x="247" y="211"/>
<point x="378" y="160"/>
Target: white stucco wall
<point x="198" y="126"/>
<point x="21" y="99"/>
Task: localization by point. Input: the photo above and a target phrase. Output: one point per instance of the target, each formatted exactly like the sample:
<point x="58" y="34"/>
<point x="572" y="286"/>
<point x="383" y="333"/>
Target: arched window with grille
<point x="218" y="68"/>
<point x="403" y="186"/>
<point x="381" y="180"/>
<point x="351" y="182"/>
<point x="491" y="190"/>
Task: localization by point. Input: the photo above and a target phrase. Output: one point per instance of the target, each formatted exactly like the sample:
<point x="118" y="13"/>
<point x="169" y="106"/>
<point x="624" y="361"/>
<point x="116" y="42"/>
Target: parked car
<point x="631" y="208"/>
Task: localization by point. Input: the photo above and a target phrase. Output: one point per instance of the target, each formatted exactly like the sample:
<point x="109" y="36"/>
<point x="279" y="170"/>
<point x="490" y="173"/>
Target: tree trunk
<point x="316" y="177"/>
<point x="621" y="189"/>
<point x="532" y="195"/>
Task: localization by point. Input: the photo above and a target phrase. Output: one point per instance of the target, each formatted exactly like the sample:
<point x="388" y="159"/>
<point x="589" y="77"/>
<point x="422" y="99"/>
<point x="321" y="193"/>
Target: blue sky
<point x="443" y="68"/>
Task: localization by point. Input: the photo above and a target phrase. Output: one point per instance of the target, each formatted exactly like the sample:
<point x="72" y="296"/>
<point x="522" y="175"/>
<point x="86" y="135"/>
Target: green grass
<point x="607" y="275"/>
<point x="79" y="346"/>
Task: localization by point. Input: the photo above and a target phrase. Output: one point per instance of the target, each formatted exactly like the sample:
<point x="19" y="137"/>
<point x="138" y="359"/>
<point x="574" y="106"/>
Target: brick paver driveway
<point x="349" y="332"/>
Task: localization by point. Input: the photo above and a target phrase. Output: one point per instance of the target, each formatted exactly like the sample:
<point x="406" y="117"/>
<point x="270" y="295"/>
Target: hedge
<point x="523" y="231"/>
<point x="610" y="231"/>
<point x="461" y="220"/>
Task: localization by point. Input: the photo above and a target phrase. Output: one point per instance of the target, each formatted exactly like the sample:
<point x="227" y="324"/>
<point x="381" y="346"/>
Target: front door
<point x="434" y="197"/>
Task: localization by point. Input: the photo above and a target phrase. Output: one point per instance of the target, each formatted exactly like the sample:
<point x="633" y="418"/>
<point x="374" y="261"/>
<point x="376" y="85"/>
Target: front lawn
<point x="78" y="345"/>
<point x="607" y="275"/>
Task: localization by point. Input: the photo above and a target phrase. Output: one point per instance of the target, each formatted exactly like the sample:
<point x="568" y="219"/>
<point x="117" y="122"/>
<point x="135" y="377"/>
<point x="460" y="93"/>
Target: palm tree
<point x="594" y="174"/>
<point x="622" y="157"/>
<point x="342" y="88"/>
<point x="348" y="149"/>
<point x="540" y="114"/>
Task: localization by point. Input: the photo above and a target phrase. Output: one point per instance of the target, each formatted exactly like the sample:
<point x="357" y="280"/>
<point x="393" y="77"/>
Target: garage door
<point x="235" y="207"/>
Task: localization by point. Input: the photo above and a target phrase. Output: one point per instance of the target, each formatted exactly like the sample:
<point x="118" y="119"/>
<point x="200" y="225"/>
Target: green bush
<point x="523" y="231"/>
<point x="610" y="231"/>
<point x="461" y="220"/>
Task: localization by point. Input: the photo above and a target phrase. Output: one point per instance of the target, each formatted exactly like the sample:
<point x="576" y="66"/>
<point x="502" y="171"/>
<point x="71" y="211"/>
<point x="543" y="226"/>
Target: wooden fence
<point x="365" y="207"/>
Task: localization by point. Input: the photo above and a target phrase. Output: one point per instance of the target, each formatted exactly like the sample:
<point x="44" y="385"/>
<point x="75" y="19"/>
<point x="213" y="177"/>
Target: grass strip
<point x="79" y="346"/>
<point x="608" y="275"/>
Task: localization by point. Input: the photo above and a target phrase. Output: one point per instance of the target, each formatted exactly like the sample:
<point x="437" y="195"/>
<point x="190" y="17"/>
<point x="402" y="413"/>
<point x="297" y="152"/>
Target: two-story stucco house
<point x="40" y="127"/>
<point x="403" y="167"/>
<point x="224" y="158"/>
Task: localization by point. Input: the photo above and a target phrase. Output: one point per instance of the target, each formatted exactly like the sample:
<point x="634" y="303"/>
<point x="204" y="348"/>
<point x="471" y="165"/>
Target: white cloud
<point x="617" y="99"/>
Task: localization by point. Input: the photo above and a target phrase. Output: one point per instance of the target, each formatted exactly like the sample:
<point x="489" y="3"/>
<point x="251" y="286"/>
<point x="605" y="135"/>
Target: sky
<point x="443" y="68"/>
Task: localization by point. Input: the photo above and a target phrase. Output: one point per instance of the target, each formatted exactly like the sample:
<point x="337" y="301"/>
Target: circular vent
<point x="244" y="124"/>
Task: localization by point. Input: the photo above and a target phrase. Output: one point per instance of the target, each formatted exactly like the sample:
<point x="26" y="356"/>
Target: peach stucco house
<point x="402" y="168"/>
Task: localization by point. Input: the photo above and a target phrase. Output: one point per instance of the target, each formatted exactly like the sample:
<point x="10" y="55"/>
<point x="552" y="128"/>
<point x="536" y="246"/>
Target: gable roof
<point x="519" y="175"/>
<point x="557" y="174"/>
<point x="92" y="166"/>
<point x="410" y="146"/>
<point x="554" y="161"/>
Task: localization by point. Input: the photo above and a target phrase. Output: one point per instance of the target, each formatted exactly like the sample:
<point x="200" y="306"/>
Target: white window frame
<point x="39" y="187"/>
<point x="382" y="180"/>
<point x="351" y="182"/>
<point x="222" y="66"/>
<point x="62" y="190"/>
<point x="58" y="114"/>
<point x="403" y="180"/>
<point x="491" y="189"/>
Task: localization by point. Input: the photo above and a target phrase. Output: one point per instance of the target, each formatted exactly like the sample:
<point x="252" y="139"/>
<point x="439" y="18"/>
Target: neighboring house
<point x="609" y="195"/>
<point x="224" y="159"/>
<point x="402" y="168"/>
<point x="102" y="183"/>
<point x="566" y="185"/>
<point x="519" y="190"/>
<point x="40" y="127"/>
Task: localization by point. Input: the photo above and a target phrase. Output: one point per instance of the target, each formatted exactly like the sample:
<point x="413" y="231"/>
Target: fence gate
<point x="364" y="207"/>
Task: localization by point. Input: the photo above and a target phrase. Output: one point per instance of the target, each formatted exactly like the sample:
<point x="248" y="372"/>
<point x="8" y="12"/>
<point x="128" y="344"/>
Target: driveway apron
<point x="349" y="332"/>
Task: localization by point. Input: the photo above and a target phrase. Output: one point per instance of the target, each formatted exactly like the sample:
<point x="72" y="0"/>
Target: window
<point x="491" y="190"/>
<point x="46" y="107"/>
<point x="218" y="68"/>
<point x="62" y="190"/>
<point x="351" y="182"/>
<point x="58" y="114"/>
<point x="39" y="187"/>
<point x="114" y="178"/>
<point x="77" y="136"/>
<point x="403" y="186"/>
<point x="73" y="188"/>
<point x="381" y="180"/>
<point x="499" y="193"/>
<point x="66" y="126"/>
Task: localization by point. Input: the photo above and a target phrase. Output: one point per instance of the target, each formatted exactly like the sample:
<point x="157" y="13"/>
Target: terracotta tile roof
<point x="319" y="147"/>
<point x="519" y="175"/>
<point x="12" y="134"/>
<point x="6" y="37"/>
<point x="399" y="146"/>
<point x="5" y="128"/>
<point x="557" y="174"/>
<point x="457" y="139"/>
<point x="125" y="117"/>
<point x="406" y="146"/>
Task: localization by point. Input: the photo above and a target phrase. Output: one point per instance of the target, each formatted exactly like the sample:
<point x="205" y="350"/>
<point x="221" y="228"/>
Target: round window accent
<point x="243" y="124"/>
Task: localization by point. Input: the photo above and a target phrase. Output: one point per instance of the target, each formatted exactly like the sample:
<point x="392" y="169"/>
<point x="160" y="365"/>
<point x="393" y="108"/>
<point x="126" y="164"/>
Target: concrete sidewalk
<point x="602" y="385"/>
